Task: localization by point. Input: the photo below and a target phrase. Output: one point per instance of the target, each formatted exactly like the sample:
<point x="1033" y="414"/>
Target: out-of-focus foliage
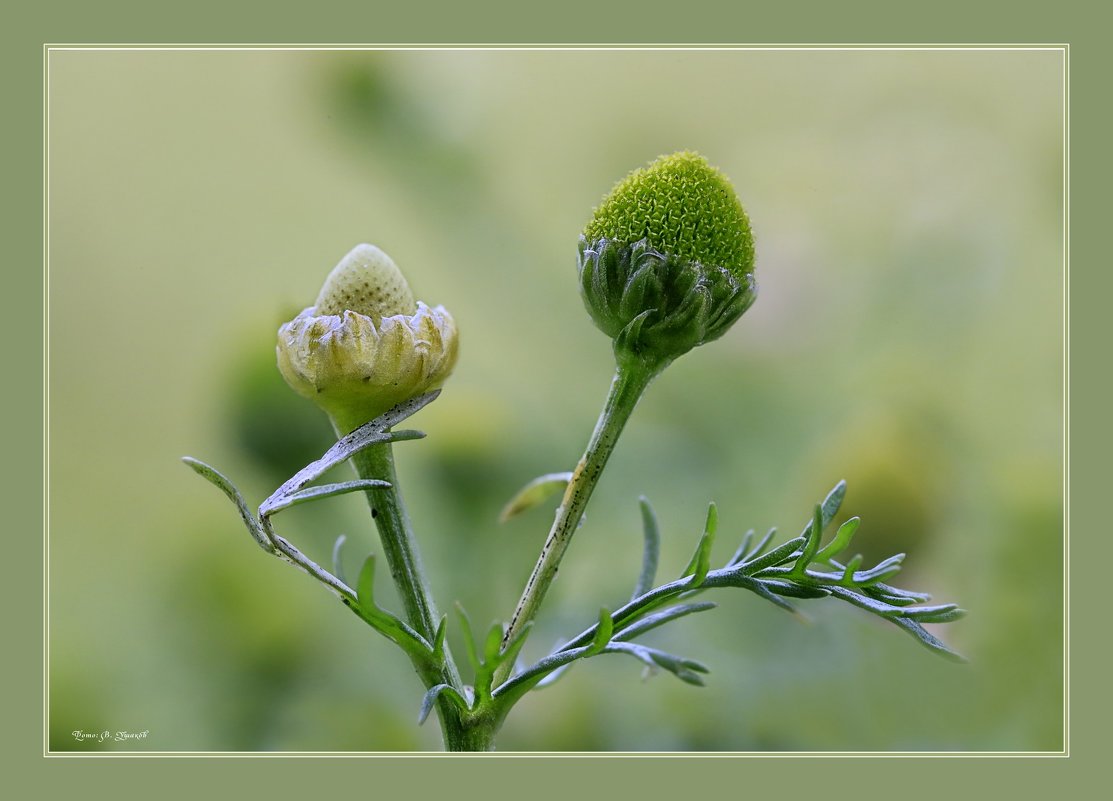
<point x="906" y="209"/>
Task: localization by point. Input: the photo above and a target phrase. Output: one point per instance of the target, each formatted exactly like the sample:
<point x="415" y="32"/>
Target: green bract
<point x="667" y="261"/>
<point x="366" y="345"/>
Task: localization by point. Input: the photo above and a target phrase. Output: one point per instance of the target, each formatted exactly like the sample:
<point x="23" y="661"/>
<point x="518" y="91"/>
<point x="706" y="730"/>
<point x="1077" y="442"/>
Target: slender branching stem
<point x="630" y="380"/>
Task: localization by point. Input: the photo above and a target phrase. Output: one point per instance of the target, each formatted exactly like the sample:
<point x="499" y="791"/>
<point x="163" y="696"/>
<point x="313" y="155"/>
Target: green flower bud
<point x="366" y="345"/>
<point x="667" y="261"/>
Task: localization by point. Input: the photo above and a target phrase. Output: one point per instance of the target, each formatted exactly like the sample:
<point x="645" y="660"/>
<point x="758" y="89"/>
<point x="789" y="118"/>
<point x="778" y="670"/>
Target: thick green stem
<point x="396" y="534"/>
<point x="472" y="734"/>
<point x="630" y="380"/>
<point x="402" y="556"/>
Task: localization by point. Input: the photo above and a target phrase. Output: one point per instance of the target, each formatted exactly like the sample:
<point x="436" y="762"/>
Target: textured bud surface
<point x="368" y="282"/>
<point x="666" y="262"/>
<point x="681" y="206"/>
<point x="367" y="345"/>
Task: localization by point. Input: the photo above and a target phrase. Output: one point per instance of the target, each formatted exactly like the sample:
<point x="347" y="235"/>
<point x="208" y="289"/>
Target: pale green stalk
<point x="630" y="380"/>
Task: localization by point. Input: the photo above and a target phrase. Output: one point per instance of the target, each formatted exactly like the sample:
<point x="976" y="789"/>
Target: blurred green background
<point x="908" y="338"/>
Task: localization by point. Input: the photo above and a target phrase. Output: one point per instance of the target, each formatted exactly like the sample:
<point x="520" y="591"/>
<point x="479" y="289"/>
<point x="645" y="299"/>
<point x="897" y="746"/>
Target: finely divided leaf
<point x="469" y="639"/>
<point x="217" y="478"/>
<point x="534" y="493"/>
<point x="758" y="587"/>
<point x="790" y="589"/>
<point x="832" y="502"/>
<point x="943" y="613"/>
<point x="686" y="670"/>
<point x="493" y="642"/>
<point x="438" y="640"/>
<point x="510" y="653"/>
<point x="431" y="698"/>
<point x="811" y="544"/>
<point x="273" y="504"/>
<point x="652" y="535"/>
<point x="368" y="434"/>
<point x="365" y="585"/>
<point x="880" y="572"/>
<point x="603" y="633"/>
<point x="850" y="569"/>
<point x="337" y="567"/>
<point x="484" y="675"/>
<point x="782" y="553"/>
<point x="757" y="550"/>
<point x="389" y="625"/>
<point x="700" y="562"/>
<point x="840" y="541"/>
<point x="660" y="618"/>
<point x="743" y="548"/>
<point x="927" y="640"/>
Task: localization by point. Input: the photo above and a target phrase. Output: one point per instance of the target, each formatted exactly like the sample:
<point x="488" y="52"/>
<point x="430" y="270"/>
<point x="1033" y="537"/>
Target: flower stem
<point x="396" y="533"/>
<point x="404" y="560"/>
<point x="630" y="380"/>
<point x="471" y="734"/>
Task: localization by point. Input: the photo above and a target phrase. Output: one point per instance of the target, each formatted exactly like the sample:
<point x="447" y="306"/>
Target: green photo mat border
<point x="1089" y="276"/>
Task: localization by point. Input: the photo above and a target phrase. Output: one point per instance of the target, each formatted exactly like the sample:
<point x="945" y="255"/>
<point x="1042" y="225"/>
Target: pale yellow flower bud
<point x="366" y="345"/>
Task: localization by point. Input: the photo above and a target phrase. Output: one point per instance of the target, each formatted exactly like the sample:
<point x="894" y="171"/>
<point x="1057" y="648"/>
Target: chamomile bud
<point x="366" y="344"/>
<point x="667" y="261"/>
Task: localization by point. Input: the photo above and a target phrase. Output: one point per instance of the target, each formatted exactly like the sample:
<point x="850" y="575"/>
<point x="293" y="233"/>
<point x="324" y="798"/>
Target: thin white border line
<point x="1063" y="48"/>
<point x="1066" y="399"/>
<point x="46" y="399"/>
<point x="572" y="754"/>
<point x="556" y="47"/>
